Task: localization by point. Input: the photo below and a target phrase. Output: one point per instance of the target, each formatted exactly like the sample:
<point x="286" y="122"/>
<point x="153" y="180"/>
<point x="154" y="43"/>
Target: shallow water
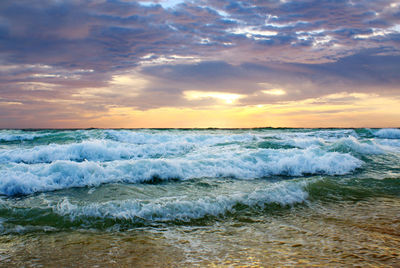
<point x="253" y="197"/>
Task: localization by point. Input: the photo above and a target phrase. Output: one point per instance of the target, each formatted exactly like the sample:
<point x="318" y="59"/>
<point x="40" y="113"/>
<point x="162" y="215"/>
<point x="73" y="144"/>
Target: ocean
<point x="200" y="197"/>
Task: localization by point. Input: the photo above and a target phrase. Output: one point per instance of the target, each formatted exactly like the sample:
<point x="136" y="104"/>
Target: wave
<point x="183" y="209"/>
<point x="174" y="145"/>
<point x="32" y="137"/>
<point x="325" y="135"/>
<point x="352" y="145"/>
<point x="313" y="138"/>
<point x="142" y="137"/>
<point x="305" y="142"/>
<point x="388" y="133"/>
<point x="94" y="150"/>
<point x="389" y="144"/>
<point x="348" y="144"/>
<point x="50" y="213"/>
<point x="171" y="203"/>
<point x="26" y="179"/>
<point x="7" y="136"/>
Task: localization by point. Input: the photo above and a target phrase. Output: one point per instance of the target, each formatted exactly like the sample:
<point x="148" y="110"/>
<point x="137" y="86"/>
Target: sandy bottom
<point x="364" y="233"/>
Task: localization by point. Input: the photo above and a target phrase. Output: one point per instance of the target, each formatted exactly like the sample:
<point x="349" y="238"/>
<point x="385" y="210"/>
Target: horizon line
<point x="197" y="128"/>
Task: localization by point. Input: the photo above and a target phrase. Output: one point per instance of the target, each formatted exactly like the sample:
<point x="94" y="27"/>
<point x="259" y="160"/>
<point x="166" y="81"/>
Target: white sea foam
<point x="388" y="133"/>
<point x="26" y="179"/>
<point x="184" y="209"/>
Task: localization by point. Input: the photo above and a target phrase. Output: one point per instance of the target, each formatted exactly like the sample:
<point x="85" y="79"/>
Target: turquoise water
<point x="191" y="197"/>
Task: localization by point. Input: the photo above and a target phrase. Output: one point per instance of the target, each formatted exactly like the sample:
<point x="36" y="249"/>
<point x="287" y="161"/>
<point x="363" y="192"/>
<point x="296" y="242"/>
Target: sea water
<point x="200" y="197"/>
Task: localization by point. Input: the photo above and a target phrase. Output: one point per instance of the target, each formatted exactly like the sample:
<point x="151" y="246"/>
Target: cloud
<point x="71" y="52"/>
<point x="105" y="35"/>
<point x="363" y="72"/>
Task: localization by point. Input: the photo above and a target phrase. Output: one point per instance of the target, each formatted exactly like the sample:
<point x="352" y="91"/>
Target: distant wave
<point x="352" y="145"/>
<point x="136" y="137"/>
<point x="12" y="136"/>
<point x="388" y="133"/>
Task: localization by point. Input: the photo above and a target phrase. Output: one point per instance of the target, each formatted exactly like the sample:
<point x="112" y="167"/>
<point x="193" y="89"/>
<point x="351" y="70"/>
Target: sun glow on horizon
<point x="368" y="110"/>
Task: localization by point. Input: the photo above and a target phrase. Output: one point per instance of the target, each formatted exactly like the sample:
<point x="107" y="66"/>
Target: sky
<point x="200" y="63"/>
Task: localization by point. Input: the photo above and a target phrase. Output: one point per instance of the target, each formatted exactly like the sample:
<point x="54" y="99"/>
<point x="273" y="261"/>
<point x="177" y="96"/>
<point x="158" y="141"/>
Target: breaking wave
<point x="92" y="150"/>
<point x="183" y="209"/>
<point x="26" y="179"/>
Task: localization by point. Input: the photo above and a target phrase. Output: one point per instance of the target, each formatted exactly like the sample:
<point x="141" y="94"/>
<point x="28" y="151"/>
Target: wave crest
<point x="26" y="179"/>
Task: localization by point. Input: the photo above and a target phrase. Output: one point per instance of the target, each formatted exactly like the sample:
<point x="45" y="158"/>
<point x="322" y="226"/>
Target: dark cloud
<point x="103" y="35"/>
